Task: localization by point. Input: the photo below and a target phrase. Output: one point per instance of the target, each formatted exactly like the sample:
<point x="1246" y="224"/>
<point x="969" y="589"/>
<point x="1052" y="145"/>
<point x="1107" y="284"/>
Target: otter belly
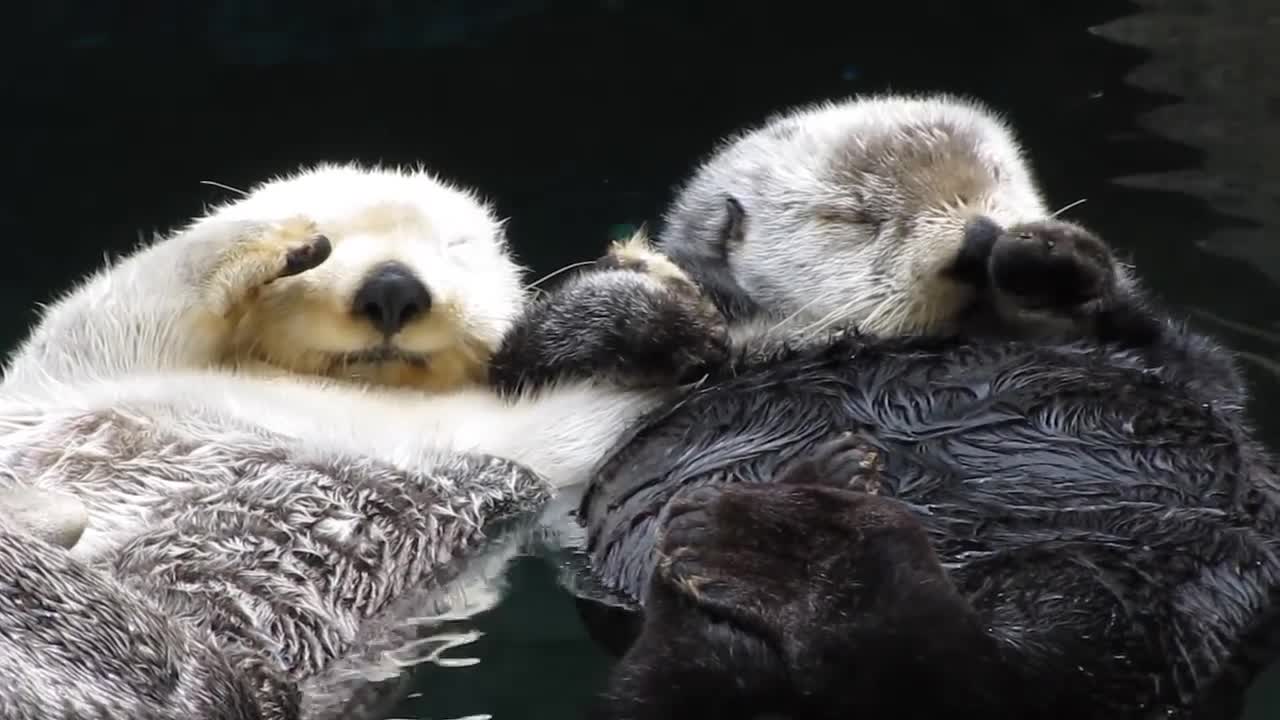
<point x="997" y="448"/>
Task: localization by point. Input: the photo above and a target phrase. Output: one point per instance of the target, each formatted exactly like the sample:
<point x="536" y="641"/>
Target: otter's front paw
<point x="669" y="331"/>
<point x="633" y="317"/>
<point x="1050" y="266"/>
<point x="268" y="252"/>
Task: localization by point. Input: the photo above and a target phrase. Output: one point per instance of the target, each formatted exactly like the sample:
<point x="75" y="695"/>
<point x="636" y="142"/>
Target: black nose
<point x="970" y="264"/>
<point x="390" y="297"/>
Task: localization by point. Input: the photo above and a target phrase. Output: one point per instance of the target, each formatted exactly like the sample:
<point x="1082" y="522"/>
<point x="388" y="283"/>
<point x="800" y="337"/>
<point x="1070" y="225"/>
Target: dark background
<point x="578" y="118"/>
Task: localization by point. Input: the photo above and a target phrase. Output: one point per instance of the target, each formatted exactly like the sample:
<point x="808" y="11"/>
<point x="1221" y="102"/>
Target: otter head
<point x="417" y="290"/>
<point x="855" y="214"/>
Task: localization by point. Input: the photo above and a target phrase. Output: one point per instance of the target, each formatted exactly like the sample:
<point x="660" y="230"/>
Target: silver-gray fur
<point x="278" y="588"/>
<point x="850" y="213"/>
<point x="55" y="517"/>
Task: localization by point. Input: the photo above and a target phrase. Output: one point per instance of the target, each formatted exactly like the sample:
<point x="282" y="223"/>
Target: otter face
<point x="855" y="213"/>
<point x="417" y="290"/>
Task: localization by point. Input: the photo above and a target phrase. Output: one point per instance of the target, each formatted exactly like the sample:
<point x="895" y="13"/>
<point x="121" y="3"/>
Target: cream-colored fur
<point x="208" y="294"/>
<point x="192" y="333"/>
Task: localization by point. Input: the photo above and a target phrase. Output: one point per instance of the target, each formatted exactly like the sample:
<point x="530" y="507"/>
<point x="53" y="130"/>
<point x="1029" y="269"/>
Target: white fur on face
<point x="447" y="237"/>
<point x="854" y="208"/>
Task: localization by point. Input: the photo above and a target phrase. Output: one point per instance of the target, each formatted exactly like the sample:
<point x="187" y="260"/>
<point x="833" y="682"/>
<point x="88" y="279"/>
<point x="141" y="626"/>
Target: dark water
<point x="578" y="117"/>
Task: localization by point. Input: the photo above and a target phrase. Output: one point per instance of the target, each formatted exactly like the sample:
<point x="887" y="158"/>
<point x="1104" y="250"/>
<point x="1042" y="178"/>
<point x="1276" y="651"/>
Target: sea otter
<point x="1104" y="522"/>
<point x="275" y="453"/>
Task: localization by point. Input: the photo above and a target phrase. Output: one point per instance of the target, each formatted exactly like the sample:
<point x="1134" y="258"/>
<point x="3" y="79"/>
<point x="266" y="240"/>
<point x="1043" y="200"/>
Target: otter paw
<point x="676" y="335"/>
<point x="265" y="254"/>
<point x="292" y="247"/>
<point x="637" y="255"/>
<point x="314" y="250"/>
<point x="1051" y="265"/>
<point x="849" y="462"/>
<point x="633" y="317"/>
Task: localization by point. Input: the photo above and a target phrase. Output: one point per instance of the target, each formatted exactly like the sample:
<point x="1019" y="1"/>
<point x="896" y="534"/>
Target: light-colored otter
<point x="197" y="302"/>
<point x="281" y="425"/>
<point x="201" y="325"/>
<point x="382" y="277"/>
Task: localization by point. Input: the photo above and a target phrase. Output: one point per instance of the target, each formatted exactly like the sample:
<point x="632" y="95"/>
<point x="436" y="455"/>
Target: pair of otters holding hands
<point x="875" y="434"/>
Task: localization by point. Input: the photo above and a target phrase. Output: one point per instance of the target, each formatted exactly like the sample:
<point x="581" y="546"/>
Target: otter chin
<point x="387" y="365"/>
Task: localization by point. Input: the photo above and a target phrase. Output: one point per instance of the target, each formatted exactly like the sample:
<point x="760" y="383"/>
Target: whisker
<point x="1243" y="328"/>
<point x="217" y="184"/>
<point x="1067" y="207"/>
<point x="793" y="315"/>
<point x="827" y="324"/>
<point x="804" y="333"/>
<point x="888" y="312"/>
<point x="1261" y="362"/>
<point x="547" y="277"/>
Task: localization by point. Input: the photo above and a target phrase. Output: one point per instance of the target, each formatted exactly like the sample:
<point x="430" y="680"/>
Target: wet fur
<point x="1103" y="520"/>
<point x="280" y="545"/>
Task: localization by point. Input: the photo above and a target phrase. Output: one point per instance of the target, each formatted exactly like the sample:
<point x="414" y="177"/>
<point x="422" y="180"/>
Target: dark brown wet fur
<point x="1080" y="462"/>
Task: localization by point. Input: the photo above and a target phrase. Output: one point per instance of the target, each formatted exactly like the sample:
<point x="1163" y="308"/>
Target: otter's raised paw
<point x="633" y="317"/>
<point x="1050" y="265"/>
<point x="849" y="462"/>
<point x="269" y="252"/>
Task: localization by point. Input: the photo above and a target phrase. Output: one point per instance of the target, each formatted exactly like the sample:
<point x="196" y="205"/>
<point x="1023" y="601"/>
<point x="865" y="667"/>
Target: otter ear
<point x="734" y="225"/>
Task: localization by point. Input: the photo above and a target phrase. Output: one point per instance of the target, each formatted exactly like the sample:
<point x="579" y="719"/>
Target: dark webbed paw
<point x="634" y="317"/>
<point x="1051" y="265"/>
<point x="313" y="250"/>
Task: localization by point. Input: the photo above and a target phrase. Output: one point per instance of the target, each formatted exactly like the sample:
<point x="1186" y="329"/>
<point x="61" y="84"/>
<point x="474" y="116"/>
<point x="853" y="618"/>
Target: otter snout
<point x="980" y="235"/>
<point x="390" y="296"/>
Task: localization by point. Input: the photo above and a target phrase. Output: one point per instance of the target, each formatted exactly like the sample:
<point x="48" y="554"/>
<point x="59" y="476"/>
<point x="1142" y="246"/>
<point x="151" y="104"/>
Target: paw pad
<point x="1051" y="265"/>
<point x="302" y="243"/>
<point x="307" y="256"/>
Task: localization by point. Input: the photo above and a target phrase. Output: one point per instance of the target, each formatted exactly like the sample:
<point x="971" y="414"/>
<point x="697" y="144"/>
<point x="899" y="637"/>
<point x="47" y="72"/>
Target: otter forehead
<point x="873" y="159"/>
<point x="350" y="200"/>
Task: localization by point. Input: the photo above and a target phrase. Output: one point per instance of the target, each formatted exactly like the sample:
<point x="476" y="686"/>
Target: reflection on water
<point x="577" y="117"/>
<point x="1214" y="60"/>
